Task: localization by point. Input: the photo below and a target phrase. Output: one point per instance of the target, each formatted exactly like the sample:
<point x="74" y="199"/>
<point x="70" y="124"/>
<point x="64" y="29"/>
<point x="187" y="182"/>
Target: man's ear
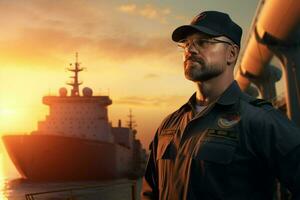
<point x="232" y="54"/>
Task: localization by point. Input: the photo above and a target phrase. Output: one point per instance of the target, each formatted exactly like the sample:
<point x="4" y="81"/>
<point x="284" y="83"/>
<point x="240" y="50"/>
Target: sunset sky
<point x="125" y="46"/>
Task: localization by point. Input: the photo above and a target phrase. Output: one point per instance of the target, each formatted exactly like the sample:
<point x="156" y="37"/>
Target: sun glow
<point x="8" y="117"/>
<point x="6" y="112"/>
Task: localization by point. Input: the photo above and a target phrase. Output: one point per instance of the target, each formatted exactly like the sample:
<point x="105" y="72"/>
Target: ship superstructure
<point x="76" y="140"/>
<point x="75" y="115"/>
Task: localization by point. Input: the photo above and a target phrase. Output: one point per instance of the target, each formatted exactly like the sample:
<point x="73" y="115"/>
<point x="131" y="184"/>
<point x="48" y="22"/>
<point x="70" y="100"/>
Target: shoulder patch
<point x="260" y="103"/>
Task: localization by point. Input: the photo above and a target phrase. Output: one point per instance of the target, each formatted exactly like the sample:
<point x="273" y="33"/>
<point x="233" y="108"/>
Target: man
<point x="221" y="144"/>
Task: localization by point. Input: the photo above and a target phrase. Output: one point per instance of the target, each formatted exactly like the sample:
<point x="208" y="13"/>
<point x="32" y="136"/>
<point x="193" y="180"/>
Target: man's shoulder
<point x="259" y="112"/>
<point x="255" y="105"/>
<point x="264" y="124"/>
<point x="171" y="121"/>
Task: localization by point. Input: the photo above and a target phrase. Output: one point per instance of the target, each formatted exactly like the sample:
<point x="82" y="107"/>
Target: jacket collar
<point x="229" y="97"/>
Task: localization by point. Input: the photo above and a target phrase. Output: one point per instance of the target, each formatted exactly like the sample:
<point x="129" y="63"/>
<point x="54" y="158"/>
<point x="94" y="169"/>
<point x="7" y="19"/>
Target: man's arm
<point x="278" y="141"/>
<point x="150" y="180"/>
<point x="289" y="172"/>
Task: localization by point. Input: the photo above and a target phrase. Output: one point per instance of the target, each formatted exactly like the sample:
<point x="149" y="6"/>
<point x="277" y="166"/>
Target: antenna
<point x="131" y="123"/>
<point x="75" y="84"/>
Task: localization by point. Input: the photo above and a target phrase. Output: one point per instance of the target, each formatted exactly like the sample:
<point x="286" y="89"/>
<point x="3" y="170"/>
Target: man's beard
<point x="201" y="73"/>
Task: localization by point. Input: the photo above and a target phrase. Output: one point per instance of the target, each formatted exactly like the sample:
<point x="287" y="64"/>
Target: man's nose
<point x="191" y="49"/>
<point x="188" y="54"/>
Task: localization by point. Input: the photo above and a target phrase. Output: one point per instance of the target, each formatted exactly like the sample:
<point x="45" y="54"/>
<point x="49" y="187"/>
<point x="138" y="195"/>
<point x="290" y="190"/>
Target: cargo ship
<point x="76" y="141"/>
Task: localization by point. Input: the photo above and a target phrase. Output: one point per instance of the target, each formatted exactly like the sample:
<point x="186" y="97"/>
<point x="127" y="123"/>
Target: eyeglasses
<point x="200" y="43"/>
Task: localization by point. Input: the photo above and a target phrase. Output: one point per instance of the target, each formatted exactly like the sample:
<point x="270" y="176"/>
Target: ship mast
<point x="131" y="123"/>
<point x="75" y="83"/>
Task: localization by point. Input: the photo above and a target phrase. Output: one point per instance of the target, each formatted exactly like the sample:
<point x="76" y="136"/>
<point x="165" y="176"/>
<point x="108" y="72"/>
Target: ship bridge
<point x="77" y="116"/>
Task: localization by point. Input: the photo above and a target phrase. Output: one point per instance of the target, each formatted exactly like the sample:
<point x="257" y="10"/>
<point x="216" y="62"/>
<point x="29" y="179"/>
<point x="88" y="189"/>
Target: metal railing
<point x="87" y="192"/>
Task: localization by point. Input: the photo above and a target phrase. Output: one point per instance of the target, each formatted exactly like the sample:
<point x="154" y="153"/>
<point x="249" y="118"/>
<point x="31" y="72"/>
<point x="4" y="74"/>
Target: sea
<point x="21" y="189"/>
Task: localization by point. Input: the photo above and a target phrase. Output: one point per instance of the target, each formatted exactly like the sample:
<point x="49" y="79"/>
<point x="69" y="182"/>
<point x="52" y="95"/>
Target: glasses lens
<point x="201" y="43"/>
<point x="182" y="43"/>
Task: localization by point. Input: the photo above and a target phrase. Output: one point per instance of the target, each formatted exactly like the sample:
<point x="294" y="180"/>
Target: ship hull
<point x="53" y="158"/>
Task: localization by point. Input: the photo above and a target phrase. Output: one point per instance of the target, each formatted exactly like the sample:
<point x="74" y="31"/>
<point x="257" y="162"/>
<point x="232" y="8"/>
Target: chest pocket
<point x="166" y="153"/>
<point x="215" y="149"/>
<point x="166" y="148"/>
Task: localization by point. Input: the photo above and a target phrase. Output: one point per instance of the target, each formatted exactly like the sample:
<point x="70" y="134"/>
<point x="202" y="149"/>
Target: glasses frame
<point x="184" y="44"/>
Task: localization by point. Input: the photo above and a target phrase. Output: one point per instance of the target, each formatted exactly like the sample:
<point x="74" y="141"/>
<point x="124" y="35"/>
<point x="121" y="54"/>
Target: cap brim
<point x="183" y="31"/>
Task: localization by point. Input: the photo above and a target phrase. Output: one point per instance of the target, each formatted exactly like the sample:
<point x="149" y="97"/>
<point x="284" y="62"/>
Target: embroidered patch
<point x="228" y="120"/>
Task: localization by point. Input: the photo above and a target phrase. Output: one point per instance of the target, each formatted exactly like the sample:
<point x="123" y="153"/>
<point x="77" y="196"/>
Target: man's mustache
<point x="194" y="59"/>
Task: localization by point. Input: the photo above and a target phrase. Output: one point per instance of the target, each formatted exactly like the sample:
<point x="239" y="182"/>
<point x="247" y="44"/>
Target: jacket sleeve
<point x="278" y="141"/>
<point x="150" y="179"/>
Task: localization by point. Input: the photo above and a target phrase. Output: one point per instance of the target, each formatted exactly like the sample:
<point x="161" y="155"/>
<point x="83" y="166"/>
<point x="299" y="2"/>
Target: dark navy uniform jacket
<point x="234" y="149"/>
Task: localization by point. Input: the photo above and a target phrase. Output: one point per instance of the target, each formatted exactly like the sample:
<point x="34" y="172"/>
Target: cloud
<point x="138" y="47"/>
<point x="182" y="18"/>
<point x="148" y="11"/>
<point x="80" y="17"/>
<point x="128" y="8"/>
<point x="151" y="76"/>
<point x="151" y="101"/>
<point x="44" y="44"/>
<point x="41" y="33"/>
<point x="67" y="10"/>
<point x="38" y="47"/>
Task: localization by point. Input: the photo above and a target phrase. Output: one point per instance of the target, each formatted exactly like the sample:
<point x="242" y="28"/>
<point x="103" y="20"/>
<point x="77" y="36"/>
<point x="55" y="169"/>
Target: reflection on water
<point x="13" y="188"/>
<point x="113" y="190"/>
<point x="2" y="178"/>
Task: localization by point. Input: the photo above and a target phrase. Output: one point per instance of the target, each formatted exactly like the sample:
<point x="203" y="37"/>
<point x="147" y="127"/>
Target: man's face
<point x="204" y="57"/>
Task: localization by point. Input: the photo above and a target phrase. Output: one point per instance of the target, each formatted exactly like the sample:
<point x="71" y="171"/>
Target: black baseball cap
<point x="214" y="23"/>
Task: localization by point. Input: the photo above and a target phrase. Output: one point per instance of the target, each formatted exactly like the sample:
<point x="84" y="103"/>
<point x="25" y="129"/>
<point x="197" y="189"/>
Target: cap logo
<point x="198" y="18"/>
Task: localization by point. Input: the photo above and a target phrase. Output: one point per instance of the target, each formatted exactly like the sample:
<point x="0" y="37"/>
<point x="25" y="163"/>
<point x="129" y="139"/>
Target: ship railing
<point x="103" y="191"/>
<point x="279" y="100"/>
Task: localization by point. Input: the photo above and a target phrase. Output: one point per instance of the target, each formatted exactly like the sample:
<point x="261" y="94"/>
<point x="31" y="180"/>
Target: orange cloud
<point x="40" y="45"/>
<point x="148" y="11"/>
<point x="128" y="8"/>
<point x="151" y="101"/>
<point x="79" y="17"/>
<point x="41" y="33"/>
<point x="151" y="76"/>
<point x="182" y="18"/>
